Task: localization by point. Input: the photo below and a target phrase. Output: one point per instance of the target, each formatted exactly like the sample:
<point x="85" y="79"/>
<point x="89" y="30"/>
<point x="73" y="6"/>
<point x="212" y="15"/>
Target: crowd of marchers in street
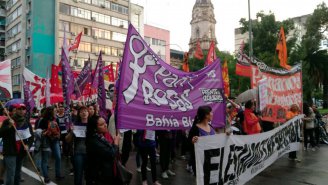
<point x="95" y="147"/>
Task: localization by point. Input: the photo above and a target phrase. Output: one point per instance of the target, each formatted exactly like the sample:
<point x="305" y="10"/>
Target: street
<point x="313" y="170"/>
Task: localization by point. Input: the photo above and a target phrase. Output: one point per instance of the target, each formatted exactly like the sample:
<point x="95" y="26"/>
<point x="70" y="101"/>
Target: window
<point x="114" y="51"/>
<point x="118" y="37"/>
<point x="119" y="22"/>
<point x="86" y="31"/>
<point x="85" y="46"/>
<point x="79" y="12"/>
<point x="119" y="8"/>
<point x="64" y="8"/>
<point x="101" y="3"/>
<point x="13" y="16"/>
<point x="11" y="3"/>
<point x="101" y="17"/>
<point x="14" y="47"/>
<point x="14" y="30"/>
<point x="86" y="1"/>
<point x="16" y="62"/>
<point x="16" y="80"/>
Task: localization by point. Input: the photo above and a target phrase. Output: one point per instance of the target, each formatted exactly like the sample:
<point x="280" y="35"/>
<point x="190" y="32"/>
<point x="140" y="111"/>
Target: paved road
<point x="313" y="170"/>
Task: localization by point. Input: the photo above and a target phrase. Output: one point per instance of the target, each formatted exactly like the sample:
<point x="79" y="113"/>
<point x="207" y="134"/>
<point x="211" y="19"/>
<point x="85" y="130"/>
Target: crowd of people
<point x="94" y="146"/>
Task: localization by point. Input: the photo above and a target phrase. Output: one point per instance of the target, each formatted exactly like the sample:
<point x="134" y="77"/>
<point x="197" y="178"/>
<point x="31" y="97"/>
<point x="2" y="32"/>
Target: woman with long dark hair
<point x="200" y="127"/>
<point x="101" y="154"/>
<point x="50" y="140"/>
<point x="77" y="136"/>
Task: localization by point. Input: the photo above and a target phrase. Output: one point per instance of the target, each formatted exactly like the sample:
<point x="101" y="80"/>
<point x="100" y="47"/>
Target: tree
<point x="265" y="31"/>
<point x="316" y="60"/>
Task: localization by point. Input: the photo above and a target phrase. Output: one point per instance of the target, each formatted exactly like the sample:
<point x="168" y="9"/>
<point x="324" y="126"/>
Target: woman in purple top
<point x="200" y="127"/>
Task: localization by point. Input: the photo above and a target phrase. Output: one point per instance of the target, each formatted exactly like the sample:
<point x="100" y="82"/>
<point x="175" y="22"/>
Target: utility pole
<point x="250" y="31"/>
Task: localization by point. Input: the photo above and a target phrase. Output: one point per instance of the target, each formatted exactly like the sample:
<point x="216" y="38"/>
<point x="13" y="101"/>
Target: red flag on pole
<point x="281" y="48"/>
<point x="198" y="52"/>
<point x="56" y="82"/>
<point x="211" y="56"/>
<point x="109" y="73"/>
<point x="76" y="43"/>
<point x="185" y="65"/>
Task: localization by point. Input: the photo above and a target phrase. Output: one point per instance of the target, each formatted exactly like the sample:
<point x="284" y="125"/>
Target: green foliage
<point x="315" y="60"/>
<point x="265" y="30"/>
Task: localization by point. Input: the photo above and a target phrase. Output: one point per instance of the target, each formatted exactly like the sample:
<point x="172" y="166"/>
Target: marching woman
<point x="77" y="136"/>
<point x="200" y="127"/>
<point x="251" y="124"/>
<point x="49" y="141"/>
<point x="101" y="154"/>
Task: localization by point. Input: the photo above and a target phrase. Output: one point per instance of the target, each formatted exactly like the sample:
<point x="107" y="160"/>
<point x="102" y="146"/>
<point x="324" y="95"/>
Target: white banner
<point x="263" y="93"/>
<point x="235" y="159"/>
<point x="37" y="85"/>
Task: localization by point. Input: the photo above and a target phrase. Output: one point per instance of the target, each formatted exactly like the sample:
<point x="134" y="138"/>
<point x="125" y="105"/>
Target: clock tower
<point x="202" y="25"/>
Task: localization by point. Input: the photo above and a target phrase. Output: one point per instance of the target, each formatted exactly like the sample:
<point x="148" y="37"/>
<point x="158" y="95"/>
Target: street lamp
<point x="174" y="45"/>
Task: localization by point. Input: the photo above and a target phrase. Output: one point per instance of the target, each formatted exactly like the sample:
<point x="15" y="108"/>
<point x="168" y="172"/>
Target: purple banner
<point x="99" y="84"/>
<point x="154" y="95"/>
<point x="83" y="79"/>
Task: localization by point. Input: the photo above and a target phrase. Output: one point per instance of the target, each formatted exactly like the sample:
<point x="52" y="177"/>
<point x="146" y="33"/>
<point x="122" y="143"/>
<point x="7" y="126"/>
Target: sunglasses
<point x="22" y="108"/>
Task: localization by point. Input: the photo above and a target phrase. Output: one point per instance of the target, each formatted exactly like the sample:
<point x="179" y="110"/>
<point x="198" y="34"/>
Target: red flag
<point x="243" y="70"/>
<point x="198" y="51"/>
<point x="185" y="65"/>
<point x="109" y="73"/>
<point x="56" y="79"/>
<point x="76" y="43"/>
<point x="211" y="56"/>
<point x="281" y="48"/>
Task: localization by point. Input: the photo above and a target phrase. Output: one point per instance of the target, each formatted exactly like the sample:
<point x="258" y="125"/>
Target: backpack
<point x="53" y="130"/>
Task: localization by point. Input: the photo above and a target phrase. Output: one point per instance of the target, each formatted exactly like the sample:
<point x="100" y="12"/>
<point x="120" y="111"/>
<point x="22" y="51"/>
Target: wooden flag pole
<point x="25" y="147"/>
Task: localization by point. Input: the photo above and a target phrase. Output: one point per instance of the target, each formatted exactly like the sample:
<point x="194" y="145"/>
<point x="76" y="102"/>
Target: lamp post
<point x="250" y="31"/>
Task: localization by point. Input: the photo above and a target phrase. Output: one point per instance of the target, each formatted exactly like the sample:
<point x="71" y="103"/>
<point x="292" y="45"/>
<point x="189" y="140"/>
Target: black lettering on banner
<point x="208" y="166"/>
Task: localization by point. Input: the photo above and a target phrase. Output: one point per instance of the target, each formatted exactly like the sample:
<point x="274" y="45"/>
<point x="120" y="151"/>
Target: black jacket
<point x="8" y="136"/>
<point x="100" y="160"/>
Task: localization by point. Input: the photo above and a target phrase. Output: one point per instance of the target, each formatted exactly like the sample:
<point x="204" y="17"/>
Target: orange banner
<point x="282" y="92"/>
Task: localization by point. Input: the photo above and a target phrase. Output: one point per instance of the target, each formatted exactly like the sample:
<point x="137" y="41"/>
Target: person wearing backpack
<point x="50" y="140"/>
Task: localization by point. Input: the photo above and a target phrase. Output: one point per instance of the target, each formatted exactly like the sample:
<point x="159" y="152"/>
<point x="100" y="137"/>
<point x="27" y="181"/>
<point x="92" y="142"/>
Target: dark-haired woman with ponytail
<point x="200" y="127"/>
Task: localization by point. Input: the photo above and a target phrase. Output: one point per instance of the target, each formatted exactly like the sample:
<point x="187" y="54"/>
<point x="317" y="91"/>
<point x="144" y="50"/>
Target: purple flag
<point x="68" y="86"/>
<point x="154" y="95"/>
<point x="83" y="79"/>
<point x="28" y="97"/>
<point x="99" y="84"/>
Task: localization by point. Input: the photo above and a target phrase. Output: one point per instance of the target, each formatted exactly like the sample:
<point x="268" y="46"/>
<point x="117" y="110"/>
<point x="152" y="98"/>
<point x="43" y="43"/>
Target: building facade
<point x="35" y="30"/>
<point x="159" y="41"/>
<point x="2" y="29"/>
<point x="202" y="25"/>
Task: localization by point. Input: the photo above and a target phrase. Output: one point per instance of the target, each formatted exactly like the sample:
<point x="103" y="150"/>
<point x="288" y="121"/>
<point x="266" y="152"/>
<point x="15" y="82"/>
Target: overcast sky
<point x="175" y="16"/>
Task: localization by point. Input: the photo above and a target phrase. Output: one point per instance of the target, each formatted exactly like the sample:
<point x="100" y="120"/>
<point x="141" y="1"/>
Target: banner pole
<point x="24" y="145"/>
